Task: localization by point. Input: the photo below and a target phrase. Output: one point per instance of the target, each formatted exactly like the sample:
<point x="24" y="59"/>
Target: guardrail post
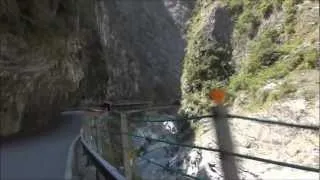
<point x="125" y="146"/>
<point x="225" y="143"/>
<point x="97" y="143"/>
<point x="96" y="121"/>
<point x="96" y="139"/>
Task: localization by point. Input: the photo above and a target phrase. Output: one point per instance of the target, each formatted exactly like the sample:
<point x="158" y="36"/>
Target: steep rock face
<point x="34" y="91"/>
<point x="143" y="47"/>
<point x="40" y="61"/>
<point x="54" y="54"/>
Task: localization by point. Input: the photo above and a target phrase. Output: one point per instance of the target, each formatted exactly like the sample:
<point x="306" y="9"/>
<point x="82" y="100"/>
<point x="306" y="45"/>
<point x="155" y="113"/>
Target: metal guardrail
<point x="219" y="117"/>
<point x="107" y="170"/>
<point x="103" y="167"/>
<point x="114" y="105"/>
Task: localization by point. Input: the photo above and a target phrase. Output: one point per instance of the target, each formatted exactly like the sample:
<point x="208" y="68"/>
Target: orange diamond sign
<point x="217" y="95"/>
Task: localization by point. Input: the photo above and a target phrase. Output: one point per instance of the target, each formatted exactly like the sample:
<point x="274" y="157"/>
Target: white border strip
<point x="69" y="164"/>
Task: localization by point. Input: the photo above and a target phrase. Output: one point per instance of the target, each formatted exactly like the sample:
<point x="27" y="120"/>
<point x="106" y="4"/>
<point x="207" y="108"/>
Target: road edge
<point x="70" y="157"/>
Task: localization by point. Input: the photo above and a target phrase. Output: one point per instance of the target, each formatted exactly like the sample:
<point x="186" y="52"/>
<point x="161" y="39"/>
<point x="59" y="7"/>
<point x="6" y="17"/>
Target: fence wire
<point x="233" y="117"/>
<point x="274" y="122"/>
<point x="265" y="121"/>
<point x="290" y="165"/>
<point x="170" y="169"/>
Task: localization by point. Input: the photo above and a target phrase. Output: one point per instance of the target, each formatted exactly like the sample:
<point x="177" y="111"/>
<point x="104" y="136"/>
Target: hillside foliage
<point x="276" y="38"/>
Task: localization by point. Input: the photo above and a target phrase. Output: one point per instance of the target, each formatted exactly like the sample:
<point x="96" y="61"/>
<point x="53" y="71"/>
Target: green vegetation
<point x="269" y="62"/>
<point x="205" y="65"/>
<point x="248" y="14"/>
<point x="272" y="54"/>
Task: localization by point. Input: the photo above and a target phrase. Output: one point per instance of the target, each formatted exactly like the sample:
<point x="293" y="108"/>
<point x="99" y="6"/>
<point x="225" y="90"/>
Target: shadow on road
<point x="63" y="120"/>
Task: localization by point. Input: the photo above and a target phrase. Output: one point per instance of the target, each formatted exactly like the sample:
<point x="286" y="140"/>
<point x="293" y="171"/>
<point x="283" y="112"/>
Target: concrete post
<point x="225" y="143"/>
<point x="126" y="147"/>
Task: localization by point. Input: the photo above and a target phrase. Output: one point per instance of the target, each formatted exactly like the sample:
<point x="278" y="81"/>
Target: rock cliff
<point x="55" y="54"/>
<point x="272" y="73"/>
<point x="41" y="61"/>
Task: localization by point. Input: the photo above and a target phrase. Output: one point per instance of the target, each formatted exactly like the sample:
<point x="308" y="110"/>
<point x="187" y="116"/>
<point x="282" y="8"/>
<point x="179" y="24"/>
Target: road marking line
<point x="70" y="157"/>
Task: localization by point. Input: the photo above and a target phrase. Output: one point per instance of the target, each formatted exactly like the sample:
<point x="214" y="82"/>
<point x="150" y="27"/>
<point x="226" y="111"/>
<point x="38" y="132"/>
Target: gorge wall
<point x="54" y="54"/>
<point x="143" y="48"/>
<point x="41" y="65"/>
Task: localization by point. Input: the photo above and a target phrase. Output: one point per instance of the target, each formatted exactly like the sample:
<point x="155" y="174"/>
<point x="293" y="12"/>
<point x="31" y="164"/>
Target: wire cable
<point x="310" y="127"/>
<point x="169" y="169"/>
<point x="290" y="165"/>
<point x="274" y="122"/>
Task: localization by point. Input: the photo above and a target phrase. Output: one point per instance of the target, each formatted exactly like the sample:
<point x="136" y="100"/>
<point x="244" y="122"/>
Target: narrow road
<point x="40" y="157"/>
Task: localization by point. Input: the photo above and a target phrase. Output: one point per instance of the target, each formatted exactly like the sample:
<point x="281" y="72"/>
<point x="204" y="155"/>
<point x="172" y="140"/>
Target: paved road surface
<point x="41" y="157"/>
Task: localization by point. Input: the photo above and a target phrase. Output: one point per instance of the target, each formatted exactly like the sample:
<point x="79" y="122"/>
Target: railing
<point x="103" y="167"/>
<point x="220" y="118"/>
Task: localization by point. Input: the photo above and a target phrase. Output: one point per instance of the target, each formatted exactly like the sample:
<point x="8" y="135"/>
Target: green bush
<point x="290" y="7"/>
<point x="291" y="56"/>
<point x="278" y="4"/>
<point x="247" y="20"/>
<point x="235" y="7"/>
<point x="310" y="59"/>
<point x="264" y="52"/>
<point x="206" y="66"/>
<point x="265" y="8"/>
<point x="283" y="91"/>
